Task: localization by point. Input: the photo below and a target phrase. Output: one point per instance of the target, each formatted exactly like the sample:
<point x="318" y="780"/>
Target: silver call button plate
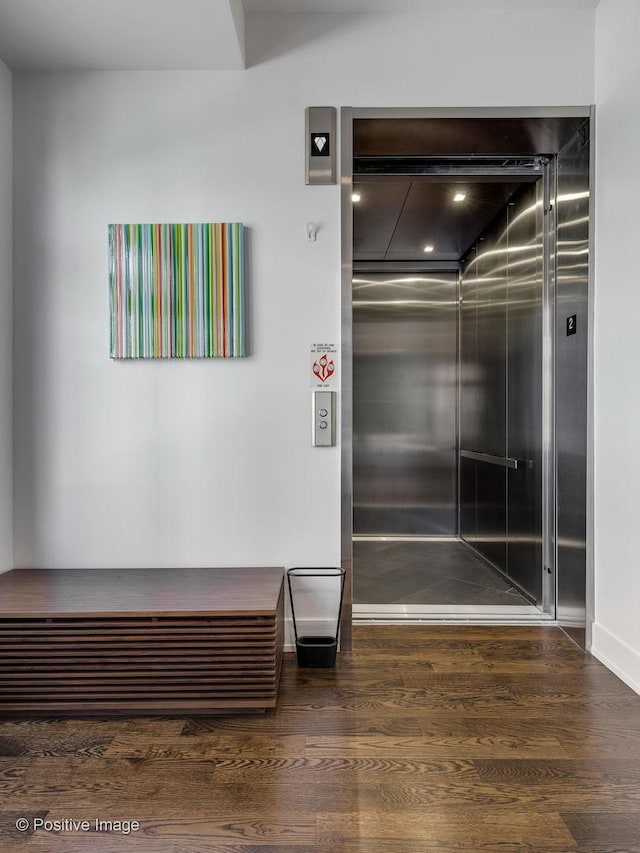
<point x="323" y="419"/>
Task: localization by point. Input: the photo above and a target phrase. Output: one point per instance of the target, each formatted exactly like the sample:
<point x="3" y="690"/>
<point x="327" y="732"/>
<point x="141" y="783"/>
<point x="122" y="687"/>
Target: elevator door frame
<point x="348" y="115"/>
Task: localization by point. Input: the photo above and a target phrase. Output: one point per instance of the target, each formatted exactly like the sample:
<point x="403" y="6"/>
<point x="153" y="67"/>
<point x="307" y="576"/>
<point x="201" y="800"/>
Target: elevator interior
<point x="470" y="262"/>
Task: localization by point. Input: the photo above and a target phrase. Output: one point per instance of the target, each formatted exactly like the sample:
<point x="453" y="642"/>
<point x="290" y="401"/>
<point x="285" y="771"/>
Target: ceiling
<point x="395" y="219"/>
<point x="51" y="35"/>
<point x="350" y="6"/>
<point x="61" y="35"/>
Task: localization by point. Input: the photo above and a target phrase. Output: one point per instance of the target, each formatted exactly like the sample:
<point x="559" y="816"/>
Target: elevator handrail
<point x="503" y="461"/>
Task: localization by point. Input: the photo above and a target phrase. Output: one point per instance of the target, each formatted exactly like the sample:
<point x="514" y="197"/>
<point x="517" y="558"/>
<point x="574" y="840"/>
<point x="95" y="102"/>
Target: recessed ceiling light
<point x="429" y="248"/>
<point x="355" y="197"/>
<point x="460" y="196"/>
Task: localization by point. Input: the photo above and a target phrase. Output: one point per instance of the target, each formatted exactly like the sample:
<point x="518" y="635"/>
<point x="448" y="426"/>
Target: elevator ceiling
<point x="395" y="220"/>
<point x="408" y="170"/>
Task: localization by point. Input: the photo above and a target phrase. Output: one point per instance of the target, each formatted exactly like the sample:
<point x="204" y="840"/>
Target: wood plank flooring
<point x="435" y="739"/>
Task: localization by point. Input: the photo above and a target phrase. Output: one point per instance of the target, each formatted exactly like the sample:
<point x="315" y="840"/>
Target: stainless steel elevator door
<point x="471" y="401"/>
<point x="491" y="306"/>
<point x="501" y="392"/>
<point x="405" y="403"/>
<point x="524" y="388"/>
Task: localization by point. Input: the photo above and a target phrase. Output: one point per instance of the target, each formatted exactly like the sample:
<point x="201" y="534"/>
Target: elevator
<point x="466" y="329"/>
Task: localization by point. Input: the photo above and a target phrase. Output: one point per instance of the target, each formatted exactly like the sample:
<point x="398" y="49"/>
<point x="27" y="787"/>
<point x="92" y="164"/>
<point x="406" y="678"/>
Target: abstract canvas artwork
<point x="177" y="291"/>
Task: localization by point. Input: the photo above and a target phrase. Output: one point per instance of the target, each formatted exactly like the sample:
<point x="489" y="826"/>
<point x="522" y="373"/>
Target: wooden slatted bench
<point x="140" y="641"/>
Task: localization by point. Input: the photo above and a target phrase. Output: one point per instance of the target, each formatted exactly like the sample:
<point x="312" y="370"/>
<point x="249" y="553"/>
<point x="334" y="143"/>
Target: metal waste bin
<point x="319" y="651"/>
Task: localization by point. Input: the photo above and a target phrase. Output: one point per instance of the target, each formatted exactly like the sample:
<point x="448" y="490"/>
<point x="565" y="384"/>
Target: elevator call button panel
<point x="323" y="432"/>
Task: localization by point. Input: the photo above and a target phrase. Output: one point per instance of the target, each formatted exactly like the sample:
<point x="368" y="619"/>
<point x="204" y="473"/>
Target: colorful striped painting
<point x="177" y="291"/>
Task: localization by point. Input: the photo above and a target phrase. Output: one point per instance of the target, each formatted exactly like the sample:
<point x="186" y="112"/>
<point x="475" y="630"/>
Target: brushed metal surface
<point x="323" y="418"/>
<point x="501" y="392"/>
<point x="492" y="375"/>
<point x="524" y="387"/>
<point x="346" y="391"/>
<point x="321" y="169"/>
<point x="590" y="344"/>
<point x="549" y="598"/>
<point x="404" y="407"/>
<point x="469" y="401"/>
<point x="540" y="113"/>
<point x="572" y="205"/>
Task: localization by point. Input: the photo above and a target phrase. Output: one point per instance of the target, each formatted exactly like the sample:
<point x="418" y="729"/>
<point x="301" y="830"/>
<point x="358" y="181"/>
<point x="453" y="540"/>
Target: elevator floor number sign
<point x="324" y="366"/>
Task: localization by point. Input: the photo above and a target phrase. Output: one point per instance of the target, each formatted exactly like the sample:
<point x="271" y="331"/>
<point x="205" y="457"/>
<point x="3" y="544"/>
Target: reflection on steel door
<point x="404" y="406"/>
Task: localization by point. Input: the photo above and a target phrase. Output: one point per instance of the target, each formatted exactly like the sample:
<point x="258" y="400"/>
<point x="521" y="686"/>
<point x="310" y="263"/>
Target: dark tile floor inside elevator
<point x="429" y="573"/>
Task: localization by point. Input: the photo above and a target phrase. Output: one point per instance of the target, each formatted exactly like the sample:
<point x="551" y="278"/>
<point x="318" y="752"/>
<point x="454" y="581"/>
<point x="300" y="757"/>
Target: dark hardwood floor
<point x="435" y="739"/>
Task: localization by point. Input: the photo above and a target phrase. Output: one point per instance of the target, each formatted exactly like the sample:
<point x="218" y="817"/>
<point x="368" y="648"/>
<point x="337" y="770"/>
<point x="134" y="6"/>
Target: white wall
<point x="616" y="638"/>
<point x="6" y="465"/>
<point x="210" y="463"/>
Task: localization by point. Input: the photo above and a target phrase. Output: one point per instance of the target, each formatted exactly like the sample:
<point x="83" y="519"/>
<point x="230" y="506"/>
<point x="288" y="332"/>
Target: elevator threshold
<point x="437" y="578"/>
<point x="450" y="614"/>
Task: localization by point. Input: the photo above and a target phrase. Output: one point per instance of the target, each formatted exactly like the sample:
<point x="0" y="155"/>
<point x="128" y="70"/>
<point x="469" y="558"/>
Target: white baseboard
<point x="617" y="656"/>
